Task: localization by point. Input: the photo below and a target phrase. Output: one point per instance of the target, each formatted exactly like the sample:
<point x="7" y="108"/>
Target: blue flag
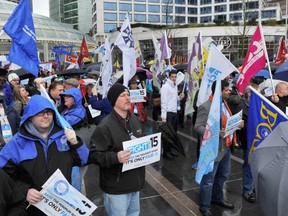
<point x="210" y="142"/>
<point x="263" y="117"/>
<point x="20" y="28"/>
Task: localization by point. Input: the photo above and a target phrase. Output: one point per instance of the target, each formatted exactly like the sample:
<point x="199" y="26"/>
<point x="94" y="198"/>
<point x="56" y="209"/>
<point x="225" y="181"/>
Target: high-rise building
<point x="109" y="14"/>
<point x="75" y="12"/>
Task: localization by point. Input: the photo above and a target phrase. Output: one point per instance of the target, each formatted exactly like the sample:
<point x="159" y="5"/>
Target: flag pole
<point x="267" y="58"/>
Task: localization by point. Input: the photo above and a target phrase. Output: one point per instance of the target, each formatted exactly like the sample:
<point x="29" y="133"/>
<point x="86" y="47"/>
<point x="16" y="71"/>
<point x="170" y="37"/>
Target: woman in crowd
<point x="21" y="99"/>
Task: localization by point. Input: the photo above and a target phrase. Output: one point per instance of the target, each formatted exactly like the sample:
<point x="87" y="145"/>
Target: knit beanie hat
<point x="114" y="92"/>
<point x="12" y="76"/>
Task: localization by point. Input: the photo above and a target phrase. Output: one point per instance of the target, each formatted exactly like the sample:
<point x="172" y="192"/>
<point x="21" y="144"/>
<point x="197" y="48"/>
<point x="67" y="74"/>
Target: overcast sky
<point x="41" y="7"/>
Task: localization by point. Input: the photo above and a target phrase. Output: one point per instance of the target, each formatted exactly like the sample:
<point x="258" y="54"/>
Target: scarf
<point x="224" y="119"/>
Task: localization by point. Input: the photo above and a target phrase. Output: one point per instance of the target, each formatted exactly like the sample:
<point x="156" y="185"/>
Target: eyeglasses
<point x="48" y="112"/>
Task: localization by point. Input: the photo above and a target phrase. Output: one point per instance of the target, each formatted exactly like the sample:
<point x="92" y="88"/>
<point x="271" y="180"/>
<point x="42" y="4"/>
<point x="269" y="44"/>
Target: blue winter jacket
<point x="8" y="92"/>
<point x="77" y="113"/>
<point x="30" y="160"/>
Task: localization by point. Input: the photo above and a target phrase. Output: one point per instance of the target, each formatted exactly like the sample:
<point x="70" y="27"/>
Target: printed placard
<point x="144" y="151"/>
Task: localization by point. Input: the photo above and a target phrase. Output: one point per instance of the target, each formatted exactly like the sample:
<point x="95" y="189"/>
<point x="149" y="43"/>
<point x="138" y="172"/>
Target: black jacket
<point x="106" y="142"/>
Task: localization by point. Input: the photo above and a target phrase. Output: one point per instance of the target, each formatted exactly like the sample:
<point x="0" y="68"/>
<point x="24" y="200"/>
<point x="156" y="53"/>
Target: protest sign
<point x="144" y="151"/>
<point x="61" y="199"/>
<point x="233" y="123"/>
<point x="137" y="95"/>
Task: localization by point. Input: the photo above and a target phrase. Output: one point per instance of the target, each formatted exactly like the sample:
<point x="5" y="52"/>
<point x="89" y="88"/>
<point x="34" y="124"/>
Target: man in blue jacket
<point x="39" y="148"/>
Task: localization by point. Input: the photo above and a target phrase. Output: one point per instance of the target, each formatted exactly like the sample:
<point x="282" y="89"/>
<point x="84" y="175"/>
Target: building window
<point x="153" y="1"/>
<point x="179" y="50"/>
<point x="192" y="10"/>
<point x="269" y="14"/>
<point x="202" y="2"/>
<point x="192" y="2"/>
<point x="125" y="7"/>
<point x="252" y="5"/>
<point x="220" y="8"/>
<point x="236" y="7"/>
<point x="167" y="9"/>
<point x="236" y="16"/>
<point x="219" y="1"/>
<point x="167" y="19"/>
<point x="220" y="17"/>
<point x="153" y="18"/>
<point x="154" y="8"/>
<point x="110" y="16"/>
<point x="180" y="10"/>
<point x="180" y="19"/>
<point x="205" y="10"/>
<point x="140" y="0"/>
<point x="251" y="15"/>
<point x="192" y="19"/>
<point x="110" y="6"/>
<point x="70" y="6"/>
<point x="110" y="27"/>
<point x="147" y="49"/>
<point x="206" y="19"/>
<point x="139" y="18"/>
<point x="139" y="7"/>
<point x="179" y="1"/>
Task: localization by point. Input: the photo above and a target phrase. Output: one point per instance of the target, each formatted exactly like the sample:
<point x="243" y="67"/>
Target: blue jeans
<point x="247" y="179"/>
<point x="211" y="186"/>
<point x="122" y="204"/>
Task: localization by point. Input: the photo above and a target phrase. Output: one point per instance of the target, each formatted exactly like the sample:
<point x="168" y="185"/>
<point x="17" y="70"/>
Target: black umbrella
<point x="72" y="72"/>
<point x="181" y="67"/>
<point x="92" y="66"/>
<point x="23" y="74"/>
<point x="170" y="137"/>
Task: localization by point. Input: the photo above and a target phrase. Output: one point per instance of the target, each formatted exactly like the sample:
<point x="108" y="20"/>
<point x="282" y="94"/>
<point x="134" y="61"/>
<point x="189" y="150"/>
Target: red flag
<point x="84" y="52"/>
<point x="254" y="61"/>
<point x="282" y="51"/>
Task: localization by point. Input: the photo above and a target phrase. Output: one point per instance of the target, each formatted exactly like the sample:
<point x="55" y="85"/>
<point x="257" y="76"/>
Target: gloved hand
<point x="71" y="136"/>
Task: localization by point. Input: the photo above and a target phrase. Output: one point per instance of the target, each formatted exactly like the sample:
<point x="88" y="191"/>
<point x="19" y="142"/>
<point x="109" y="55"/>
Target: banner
<point x="165" y="50"/>
<point x="210" y="142"/>
<point x="263" y="117"/>
<point x="20" y="27"/>
<point x="282" y="52"/>
<point x="60" y="198"/>
<point x="217" y="66"/>
<point x="254" y="61"/>
<point x="125" y="42"/>
<point x="106" y="69"/>
<point x="144" y="151"/>
<point x="84" y="52"/>
<point x="65" y="50"/>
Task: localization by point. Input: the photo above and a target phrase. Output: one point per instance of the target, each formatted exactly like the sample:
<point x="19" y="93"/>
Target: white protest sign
<point x="60" y="198"/>
<point x="137" y="95"/>
<point x="233" y="123"/>
<point x="144" y="151"/>
<point x="94" y="113"/>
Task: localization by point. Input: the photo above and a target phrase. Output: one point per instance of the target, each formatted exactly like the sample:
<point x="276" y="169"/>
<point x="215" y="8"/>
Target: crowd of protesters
<point x="32" y="147"/>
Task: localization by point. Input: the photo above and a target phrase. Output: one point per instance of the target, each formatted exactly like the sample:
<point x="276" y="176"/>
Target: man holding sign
<point x="120" y="189"/>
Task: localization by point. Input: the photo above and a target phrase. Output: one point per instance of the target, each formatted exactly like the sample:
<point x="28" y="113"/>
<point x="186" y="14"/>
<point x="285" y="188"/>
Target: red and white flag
<point x="254" y="61"/>
<point x="282" y="51"/>
<point x="84" y="52"/>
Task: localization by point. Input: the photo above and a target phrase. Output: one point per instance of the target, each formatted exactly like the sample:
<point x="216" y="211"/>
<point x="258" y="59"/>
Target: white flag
<point x="106" y="67"/>
<point x="125" y="42"/>
<point x="217" y="66"/>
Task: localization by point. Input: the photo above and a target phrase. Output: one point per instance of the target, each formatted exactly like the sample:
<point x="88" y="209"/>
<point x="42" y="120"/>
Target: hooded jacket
<point x="76" y="114"/>
<point x="30" y="160"/>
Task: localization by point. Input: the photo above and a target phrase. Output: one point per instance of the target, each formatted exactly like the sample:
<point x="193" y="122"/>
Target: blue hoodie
<point x="77" y="113"/>
<point x="31" y="159"/>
